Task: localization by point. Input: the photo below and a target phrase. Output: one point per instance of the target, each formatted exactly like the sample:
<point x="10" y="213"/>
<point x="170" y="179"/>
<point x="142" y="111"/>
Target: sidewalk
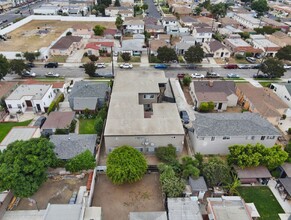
<point x="254" y="82"/>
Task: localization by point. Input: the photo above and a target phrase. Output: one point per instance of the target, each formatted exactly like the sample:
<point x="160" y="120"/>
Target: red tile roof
<point x="92" y="45"/>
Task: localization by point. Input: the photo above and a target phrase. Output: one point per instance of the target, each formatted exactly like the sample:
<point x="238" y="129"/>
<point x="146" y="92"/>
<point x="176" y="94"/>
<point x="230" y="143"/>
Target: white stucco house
<point x="213" y="133"/>
<point x="133" y="26"/>
<point x="283" y="91"/>
<point x="202" y="34"/>
<point x="33" y="98"/>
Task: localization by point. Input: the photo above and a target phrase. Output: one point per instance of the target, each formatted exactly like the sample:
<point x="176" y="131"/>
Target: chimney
<point x="210" y="82"/>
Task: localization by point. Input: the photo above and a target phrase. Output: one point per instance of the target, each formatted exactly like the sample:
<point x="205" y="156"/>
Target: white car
<point x="100" y="65"/>
<point x="287" y="67"/>
<point x="197" y="76"/>
<point x="126" y="66"/>
<point x="51" y="74"/>
<point x="28" y="74"/>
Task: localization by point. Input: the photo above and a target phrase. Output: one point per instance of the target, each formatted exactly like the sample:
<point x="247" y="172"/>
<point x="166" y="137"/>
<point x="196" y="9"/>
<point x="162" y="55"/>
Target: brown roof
<point x="65" y="42"/>
<point x="204" y="30"/>
<point x="182" y="10"/>
<point x="217" y="92"/>
<point x="264" y="100"/>
<point x="155" y="44"/>
<point x="215" y="45"/>
<point x="7" y="87"/>
<point x="252" y="172"/>
<point x="59" y="120"/>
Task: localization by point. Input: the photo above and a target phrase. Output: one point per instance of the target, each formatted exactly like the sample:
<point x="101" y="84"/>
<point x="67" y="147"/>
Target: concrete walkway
<point x="144" y="60"/>
<point x="255" y="83"/>
<point x="286" y="205"/>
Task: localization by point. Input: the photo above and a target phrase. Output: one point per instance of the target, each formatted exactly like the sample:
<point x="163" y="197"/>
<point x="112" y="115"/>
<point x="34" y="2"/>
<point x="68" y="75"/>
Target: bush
<point x="166" y="154"/>
<point x="72" y="126"/>
<point x="99" y="125"/>
<point x="249" y="54"/>
<point x="206" y="107"/>
<point x="93" y="58"/>
<point x="55" y="103"/>
<point x="239" y="56"/>
<point x="52" y="107"/>
<point x="154" y="59"/>
<point x="83" y="161"/>
<point x="289" y="130"/>
<point x="187" y="80"/>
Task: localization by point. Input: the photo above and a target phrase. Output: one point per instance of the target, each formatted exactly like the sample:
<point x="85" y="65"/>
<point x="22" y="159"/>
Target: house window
<point x="151" y="149"/>
<point x="226" y="54"/>
<point x="148" y="96"/>
<point x="271" y="137"/>
<point x="212" y="138"/>
<point x="225" y="138"/>
<point x="18" y="106"/>
<point x="263" y="138"/>
<point x="9" y="106"/>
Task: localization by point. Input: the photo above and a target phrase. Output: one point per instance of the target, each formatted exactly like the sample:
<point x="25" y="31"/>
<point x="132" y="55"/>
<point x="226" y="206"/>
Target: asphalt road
<point x="152" y="10"/>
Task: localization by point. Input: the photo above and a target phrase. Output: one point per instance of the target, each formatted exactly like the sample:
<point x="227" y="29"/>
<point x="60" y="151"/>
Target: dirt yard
<point x="36" y="34"/>
<point x="118" y="201"/>
<point x="54" y="192"/>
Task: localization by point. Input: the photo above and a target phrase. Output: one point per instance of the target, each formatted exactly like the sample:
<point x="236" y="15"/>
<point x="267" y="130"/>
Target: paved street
<point x="152" y="10"/>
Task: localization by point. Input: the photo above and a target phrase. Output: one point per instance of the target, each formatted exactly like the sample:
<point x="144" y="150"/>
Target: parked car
<point x="185" y="117"/>
<point x="30" y="65"/>
<point x="161" y="66"/>
<point x="261" y="76"/>
<point x="181" y="75"/>
<point x="287" y="67"/>
<point x="251" y="59"/>
<point x="126" y="66"/>
<point x="197" y="76"/>
<point x="104" y="75"/>
<point x="51" y="74"/>
<point x="17" y="11"/>
<point x="232" y="75"/>
<point x="51" y="65"/>
<point x="256" y="66"/>
<point x="212" y="75"/>
<point x="40" y="121"/>
<point x="244" y="66"/>
<point x="28" y="74"/>
<point x="100" y="65"/>
<point x="259" y="56"/>
<point x="191" y="66"/>
<point x="230" y="66"/>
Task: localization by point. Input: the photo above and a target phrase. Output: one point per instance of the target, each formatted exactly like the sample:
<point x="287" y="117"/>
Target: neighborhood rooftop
<point x="233" y="124"/>
<point x="66" y="41"/>
<point x="58" y="120"/>
<point x="36" y="91"/>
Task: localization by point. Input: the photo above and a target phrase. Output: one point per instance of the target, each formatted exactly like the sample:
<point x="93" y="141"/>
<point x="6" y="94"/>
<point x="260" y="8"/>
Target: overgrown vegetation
<point x="83" y="161"/>
<point x="206" y="107"/>
<point x="55" y="103"/>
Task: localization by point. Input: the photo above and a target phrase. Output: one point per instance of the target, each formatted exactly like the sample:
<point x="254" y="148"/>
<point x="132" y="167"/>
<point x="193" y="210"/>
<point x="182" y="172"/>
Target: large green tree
<point x="219" y="10"/>
<point x="166" y="154"/>
<point x="284" y="53"/>
<point x="145" y="7"/>
<point x="23" y="166"/>
<point x="194" y="54"/>
<point x="166" y="54"/>
<point x="117" y="3"/>
<point x="90" y="68"/>
<point x="119" y="22"/>
<point x="17" y="66"/>
<point x="125" y="164"/>
<point x="189" y="167"/>
<point x="83" y="161"/>
<point x="4" y="66"/>
<point x="126" y="57"/>
<point x="260" y="6"/>
<point x="99" y="30"/>
<point x="273" y="67"/>
<point x="274" y="157"/>
<point x="29" y="56"/>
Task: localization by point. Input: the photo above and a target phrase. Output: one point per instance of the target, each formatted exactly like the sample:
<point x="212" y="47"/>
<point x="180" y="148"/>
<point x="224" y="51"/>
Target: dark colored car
<point x="191" y="66"/>
<point x="30" y="65"/>
<point x="103" y="75"/>
<point x="261" y="76"/>
<point x="185" y="117"/>
<point x="212" y="75"/>
<point x="161" y="66"/>
<point x="5" y="21"/>
<point x="256" y="66"/>
<point x="51" y="65"/>
<point x="40" y="121"/>
<point x="230" y="66"/>
<point x="181" y="75"/>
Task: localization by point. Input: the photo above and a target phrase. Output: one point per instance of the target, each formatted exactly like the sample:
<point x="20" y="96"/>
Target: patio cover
<point x="286" y="183"/>
<point x="252" y="172"/>
<point x="287" y="168"/>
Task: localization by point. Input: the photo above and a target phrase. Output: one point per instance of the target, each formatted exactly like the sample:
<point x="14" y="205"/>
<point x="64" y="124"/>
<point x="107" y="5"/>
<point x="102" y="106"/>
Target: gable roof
<point x="287" y="168"/>
<point x="215" y="45"/>
<point x="133" y="22"/>
<point x="150" y="20"/>
<point x="133" y="45"/>
<point x="70" y="145"/>
<point x="98" y="45"/>
<point x="110" y="31"/>
<point x="65" y="42"/>
<point x="233" y="124"/>
<point x="169" y="18"/>
<point x="204" y="30"/>
<point x="288" y="87"/>
<point x="58" y="120"/>
<point x="217" y="92"/>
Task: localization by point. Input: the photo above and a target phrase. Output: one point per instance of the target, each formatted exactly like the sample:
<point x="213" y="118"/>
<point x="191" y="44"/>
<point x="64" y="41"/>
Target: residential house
<point x="126" y="13"/>
<point x="88" y="95"/>
<point x="154" y="29"/>
<point x="113" y="11"/>
<point x="155" y="44"/>
<point x="57" y="86"/>
<point x="183" y="208"/>
<point x="247" y="20"/>
<point x="171" y="24"/>
<point x="279" y="38"/>
<point x="133" y="26"/>
<point x="150" y="20"/>
<point x="112" y="33"/>
<point x="57" y="120"/>
<point x="20" y="133"/>
<point x="283" y="91"/>
<point x="268" y="47"/>
<point x="238" y="46"/>
<point x="202" y="35"/>
<point x="251" y="175"/>
<point x="181" y="9"/>
<point x="66" y="45"/>
<point x="138" y="117"/>
<point x="227" y="21"/>
<point x="82" y="30"/>
<point x="188" y="39"/>
<point x="46" y="10"/>
<point x="70" y="145"/>
<point x="230" y="207"/>
<point x="182" y="47"/>
<point x="134" y="46"/>
<point x="216" y="49"/>
<point x="5" y="89"/>
<point x="275" y="24"/>
<point x="33" y="98"/>
<point x="95" y="47"/>
<point x="281" y="10"/>
<point x="229" y="30"/>
<point x="262" y="101"/>
<point x="222" y="93"/>
<point x="213" y="133"/>
<point x="285" y="170"/>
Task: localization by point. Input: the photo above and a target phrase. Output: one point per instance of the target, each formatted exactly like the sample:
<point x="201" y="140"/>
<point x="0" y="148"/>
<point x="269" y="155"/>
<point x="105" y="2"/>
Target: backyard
<point x="264" y="200"/>
<point x="6" y="127"/>
<point x="87" y="126"/>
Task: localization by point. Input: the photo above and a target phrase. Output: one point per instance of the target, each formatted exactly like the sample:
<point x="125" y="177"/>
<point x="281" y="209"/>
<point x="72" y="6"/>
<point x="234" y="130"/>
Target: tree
<point x="187" y="80"/>
<point x="23" y="166"/>
<point x="4" y="66"/>
<point x="216" y="172"/>
<point x="93" y="58"/>
<point x="231" y="187"/>
<point x="125" y="164"/>
<point x="100" y="8"/>
<point x="166" y="54"/>
<point x="90" y="68"/>
<point x="273" y="67"/>
<point x="37" y="54"/>
<point x="166" y="154"/>
<point x="244" y="35"/>
<point x="29" y="56"/>
<point x="126" y="57"/>
<point x="197" y="10"/>
<point x="69" y="33"/>
<point x="194" y="54"/>
<point x="266" y="30"/>
<point x="206" y="107"/>
<point x="219" y="10"/>
<point x="189" y="167"/>
<point x="260" y="6"/>
<point x="117" y="3"/>
<point x="274" y="157"/>
<point x="118" y="22"/>
<point x="83" y="161"/>
<point x="99" y="125"/>
<point x="284" y="53"/>
<point x="17" y="66"/>
<point x="99" y="30"/>
<point x="145" y="7"/>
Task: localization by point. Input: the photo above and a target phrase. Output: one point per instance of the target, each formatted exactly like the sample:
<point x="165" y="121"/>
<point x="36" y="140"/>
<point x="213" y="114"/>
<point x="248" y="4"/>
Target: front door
<point x="38" y="107"/>
<point x="222" y="54"/>
<point x="219" y="106"/>
<point x="28" y="103"/>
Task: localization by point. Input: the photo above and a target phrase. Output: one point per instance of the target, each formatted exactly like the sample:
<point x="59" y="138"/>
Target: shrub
<point x="154" y="59"/>
<point x="72" y="126"/>
<point x="187" y="80"/>
<point x="239" y="56"/>
<point x="93" y="58"/>
<point x="52" y="107"/>
<point x="83" y="161"/>
<point x="166" y="154"/>
<point x="61" y="131"/>
<point x="55" y="103"/>
<point x="289" y="130"/>
<point x="206" y="107"/>
<point x="249" y="54"/>
<point x="99" y="125"/>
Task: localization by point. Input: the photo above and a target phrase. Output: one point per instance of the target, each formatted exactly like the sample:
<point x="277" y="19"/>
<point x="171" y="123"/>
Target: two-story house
<point x="170" y="24"/>
<point x="202" y="34"/>
<point x="133" y="26"/>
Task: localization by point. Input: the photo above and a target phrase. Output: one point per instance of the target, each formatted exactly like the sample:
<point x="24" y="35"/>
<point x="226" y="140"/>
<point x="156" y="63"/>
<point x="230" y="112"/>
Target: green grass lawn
<point x="6" y="127"/>
<point x="264" y="200"/>
<point x="86" y="126"/>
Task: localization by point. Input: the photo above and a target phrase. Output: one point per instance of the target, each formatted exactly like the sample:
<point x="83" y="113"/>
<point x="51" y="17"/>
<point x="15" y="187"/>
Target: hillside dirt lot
<point x="37" y="34"/>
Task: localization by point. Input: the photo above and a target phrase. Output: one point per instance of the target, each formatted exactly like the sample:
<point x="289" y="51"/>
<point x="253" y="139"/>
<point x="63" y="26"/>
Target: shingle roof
<point x="287" y="168"/>
<point x="198" y="184"/>
<point x="188" y="19"/>
<point x="6" y="88"/>
<point x="70" y="145"/>
<point x="65" y="42"/>
<point x="233" y="124"/>
<point x="204" y="30"/>
<point x="58" y="120"/>
<point x="169" y="18"/>
<point x="215" y="45"/>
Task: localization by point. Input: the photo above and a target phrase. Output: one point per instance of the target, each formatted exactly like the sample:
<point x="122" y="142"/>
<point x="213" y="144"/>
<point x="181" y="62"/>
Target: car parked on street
<point x="232" y="75"/>
<point x="197" y="76"/>
<point x="30" y="65"/>
<point x="100" y="65"/>
<point x="251" y="59"/>
<point x="261" y="76"/>
<point x="212" y="75"/>
<point x="51" y="74"/>
<point x="28" y="74"/>
<point x="126" y="66"/>
<point x="191" y="67"/>
<point x="287" y="67"/>
<point x="244" y="66"/>
<point x="181" y="75"/>
<point x="51" y="65"/>
<point x="185" y="117"/>
<point x="230" y="66"/>
<point x="103" y="75"/>
<point x="160" y="66"/>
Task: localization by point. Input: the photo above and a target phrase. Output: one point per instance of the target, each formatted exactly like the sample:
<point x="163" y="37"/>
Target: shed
<point x="252" y="174"/>
<point x="198" y="186"/>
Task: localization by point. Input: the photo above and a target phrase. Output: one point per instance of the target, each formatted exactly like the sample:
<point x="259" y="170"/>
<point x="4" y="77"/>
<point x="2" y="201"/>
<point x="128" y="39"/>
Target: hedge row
<point x="55" y="103"/>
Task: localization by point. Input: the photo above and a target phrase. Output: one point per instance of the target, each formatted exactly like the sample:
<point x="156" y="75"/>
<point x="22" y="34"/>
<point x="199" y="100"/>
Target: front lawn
<point x="6" y="127"/>
<point x="133" y="59"/>
<point x="86" y="126"/>
<point x="58" y="59"/>
<point x="264" y="200"/>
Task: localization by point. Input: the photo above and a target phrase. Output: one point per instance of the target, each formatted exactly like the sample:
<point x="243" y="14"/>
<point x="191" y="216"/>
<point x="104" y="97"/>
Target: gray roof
<point x="204" y="30"/>
<point x="233" y="124"/>
<point x="86" y="94"/>
<point x="288" y="87"/>
<point x="70" y="145"/>
<point x="286" y="182"/>
<point x="188" y="19"/>
<point x="183" y="208"/>
<point x="215" y="45"/>
<point x="35" y="91"/>
<point x="147" y="216"/>
<point x="183" y="46"/>
<point x="252" y="172"/>
<point x="133" y="45"/>
<point x="154" y="26"/>
<point x="198" y="184"/>
<point x="63" y="212"/>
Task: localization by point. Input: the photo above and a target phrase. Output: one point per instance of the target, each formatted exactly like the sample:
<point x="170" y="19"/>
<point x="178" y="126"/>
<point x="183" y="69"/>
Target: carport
<point x="284" y="187"/>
